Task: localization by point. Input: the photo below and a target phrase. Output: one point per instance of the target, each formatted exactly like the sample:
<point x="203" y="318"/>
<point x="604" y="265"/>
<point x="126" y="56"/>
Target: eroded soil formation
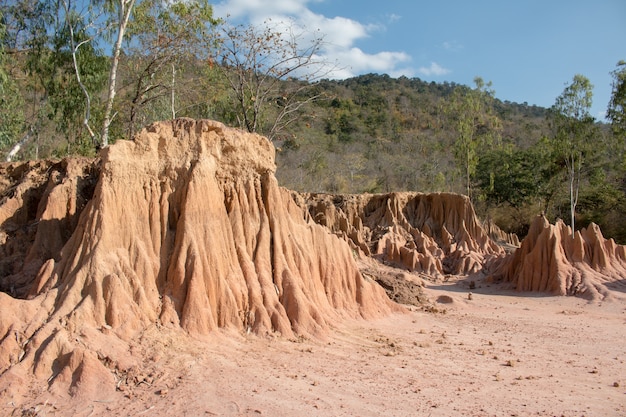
<point x="187" y="228"/>
<point x="435" y="234"/>
<point x="183" y="232"/>
<point x="553" y="260"/>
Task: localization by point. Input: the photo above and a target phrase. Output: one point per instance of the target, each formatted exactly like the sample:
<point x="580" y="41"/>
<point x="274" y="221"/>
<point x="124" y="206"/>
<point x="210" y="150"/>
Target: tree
<point x="77" y="37"/>
<point x="161" y="35"/>
<point x="616" y="112"/>
<point x="26" y="44"/>
<point x="475" y="124"/>
<point x="512" y="176"/>
<point x="124" y="9"/>
<point x="256" y="59"/>
<point x="515" y="183"/>
<point x="60" y="41"/>
<point x="54" y="44"/>
<point x="11" y="117"/>
<point x="573" y="133"/>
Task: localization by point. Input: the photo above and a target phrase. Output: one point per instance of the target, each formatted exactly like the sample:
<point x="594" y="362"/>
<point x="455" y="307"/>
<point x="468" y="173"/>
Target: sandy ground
<point x="500" y="354"/>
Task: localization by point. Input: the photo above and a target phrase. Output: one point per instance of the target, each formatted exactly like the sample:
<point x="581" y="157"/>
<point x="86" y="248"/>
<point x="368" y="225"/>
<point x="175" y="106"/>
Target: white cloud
<point x="255" y="9"/>
<point x="452" y="46"/>
<point x="359" y="62"/>
<point x="392" y="18"/>
<point x="433" y="70"/>
<point x="340" y="34"/>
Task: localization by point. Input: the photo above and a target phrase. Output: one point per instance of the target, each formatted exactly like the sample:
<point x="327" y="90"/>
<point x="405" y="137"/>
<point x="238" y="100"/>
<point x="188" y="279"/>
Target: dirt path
<point x="494" y="355"/>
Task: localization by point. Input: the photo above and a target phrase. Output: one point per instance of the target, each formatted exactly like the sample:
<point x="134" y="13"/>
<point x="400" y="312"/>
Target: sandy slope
<point x="499" y="354"/>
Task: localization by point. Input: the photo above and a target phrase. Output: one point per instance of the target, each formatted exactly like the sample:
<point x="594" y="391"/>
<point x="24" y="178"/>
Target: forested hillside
<point x="379" y="134"/>
<point x="375" y="133"/>
<point x="372" y="133"/>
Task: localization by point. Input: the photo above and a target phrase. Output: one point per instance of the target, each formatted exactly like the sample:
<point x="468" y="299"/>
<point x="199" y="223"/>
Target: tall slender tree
<point x="11" y="116"/>
<point x="616" y="112"/>
<point x="73" y="23"/>
<point x="122" y="9"/>
<point x="573" y="134"/>
<point x="475" y="124"/>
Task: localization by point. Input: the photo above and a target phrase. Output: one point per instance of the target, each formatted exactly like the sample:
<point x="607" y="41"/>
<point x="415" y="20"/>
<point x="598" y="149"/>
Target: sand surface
<point x="501" y="353"/>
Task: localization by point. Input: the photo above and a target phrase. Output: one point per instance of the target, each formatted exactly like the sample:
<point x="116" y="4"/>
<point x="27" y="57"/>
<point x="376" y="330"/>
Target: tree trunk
<point x="126" y="7"/>
<point x="173" y="91"/>
<point x="19" y="145"/>
<point x="467" y="174"/>
<point x="75" y="47"/>
<point x="571" y="204"/>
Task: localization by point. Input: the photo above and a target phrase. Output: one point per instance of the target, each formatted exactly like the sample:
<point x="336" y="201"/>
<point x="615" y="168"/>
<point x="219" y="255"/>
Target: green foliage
<point x="47" y="39"/>
<point x="575" y="136"/>
<point x="12" y="116"/>
<point x="471" y="114"/>
<point x="512" y="176"/>
<point x="161" y="38"/>
<point x="66" y="98"/>
<point x="342" y="122"/>
<point x="616" y="112"/>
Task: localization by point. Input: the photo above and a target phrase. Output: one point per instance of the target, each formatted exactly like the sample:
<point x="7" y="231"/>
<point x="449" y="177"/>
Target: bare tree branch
<point x="257" y="60"/>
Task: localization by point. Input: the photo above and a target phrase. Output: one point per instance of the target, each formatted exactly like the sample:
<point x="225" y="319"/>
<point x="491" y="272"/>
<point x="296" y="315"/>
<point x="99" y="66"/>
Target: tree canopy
<point x="616" y="112"/>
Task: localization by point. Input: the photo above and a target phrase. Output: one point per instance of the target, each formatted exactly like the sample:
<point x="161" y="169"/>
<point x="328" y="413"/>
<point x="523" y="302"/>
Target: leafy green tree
<point x="475" y="125"/>
<point x="11" y="117"/>
<point x="60" y="41"/>
<point x="55" y="43"/>
<point x="616" y="112"/>
<point x="512" y="176"/>
<point x="516" y="183"/>
<point x="573" y="139"/>
<point x="342" y="121"/>
<point x="74" y="43"/>
<point x="27" y="46"/>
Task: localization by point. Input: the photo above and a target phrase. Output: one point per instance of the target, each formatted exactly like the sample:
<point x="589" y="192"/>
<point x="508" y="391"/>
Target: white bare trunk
<point x="19" y="145"/>
<point x="74" y="48"/>
<point x="126" y="6"/>
<point x="15" y="149"/>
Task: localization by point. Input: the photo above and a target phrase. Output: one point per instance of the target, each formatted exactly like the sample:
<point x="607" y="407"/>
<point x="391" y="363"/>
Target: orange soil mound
<point x="186" y="228"/>
<point x="435" y="234"/>
<point x="550" y="260"/>
<point x="39" y="209"/>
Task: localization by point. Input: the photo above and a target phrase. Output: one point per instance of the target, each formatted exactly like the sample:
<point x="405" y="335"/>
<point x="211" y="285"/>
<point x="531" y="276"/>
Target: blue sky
<point x="529" y="49"/>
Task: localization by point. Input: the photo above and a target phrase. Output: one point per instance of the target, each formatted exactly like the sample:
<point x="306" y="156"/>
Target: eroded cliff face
<point x="183" y="227"/>
<point x="551" y="260"/>
<point x="435" y="234"/>
<point x="39" y="209"/>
